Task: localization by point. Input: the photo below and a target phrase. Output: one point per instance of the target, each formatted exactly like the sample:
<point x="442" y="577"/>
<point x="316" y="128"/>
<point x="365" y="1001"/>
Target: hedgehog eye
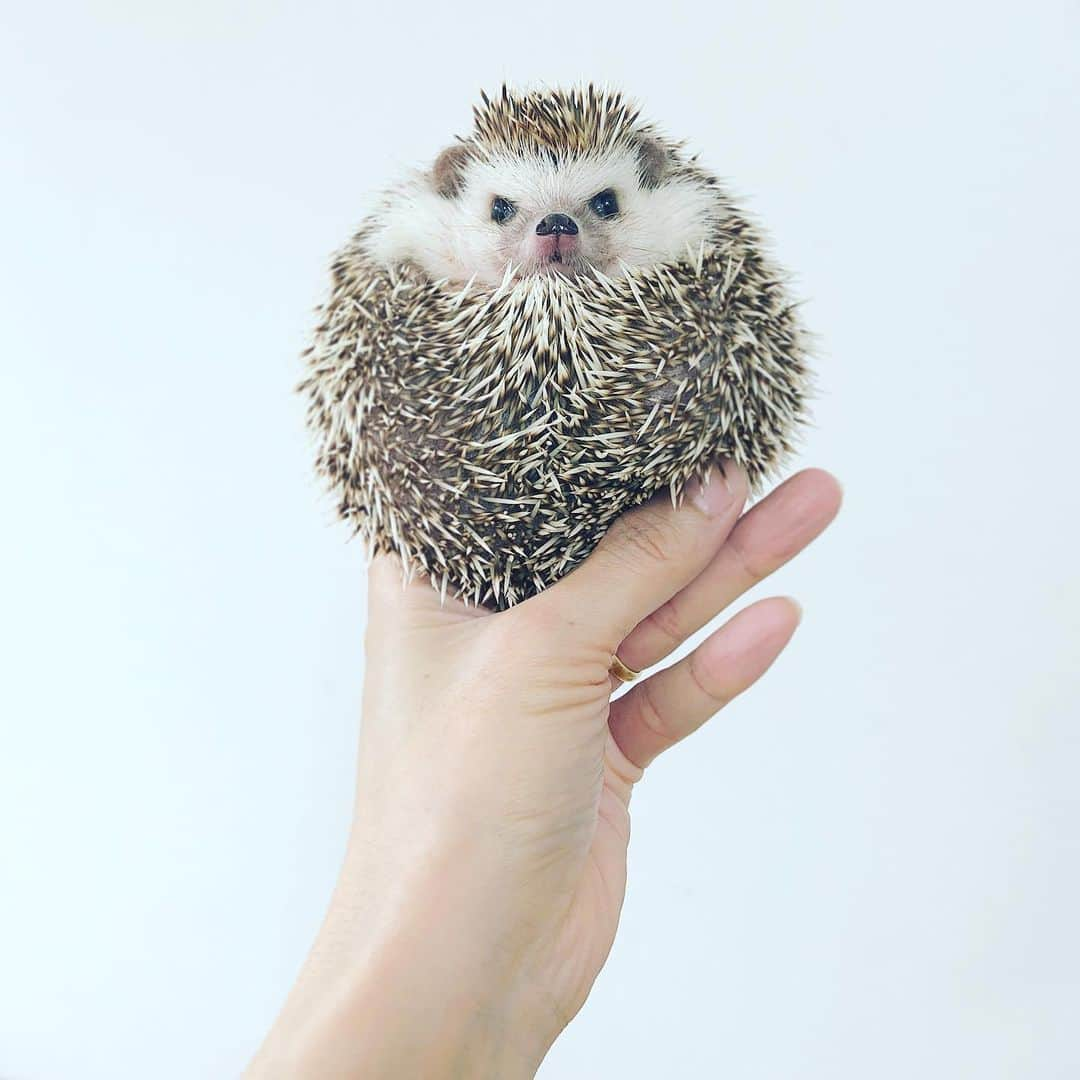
<point x="604" y="204"/>
<point x="502" y="210"/>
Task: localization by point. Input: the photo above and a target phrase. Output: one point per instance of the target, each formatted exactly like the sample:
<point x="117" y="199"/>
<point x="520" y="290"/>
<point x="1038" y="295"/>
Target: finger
<point x="646" y="556"/>
<point x="764" y="539"/>
<point x="671" y="704"/>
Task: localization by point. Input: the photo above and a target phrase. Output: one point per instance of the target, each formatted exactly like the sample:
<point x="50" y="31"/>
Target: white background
<point x="890" y="820"/>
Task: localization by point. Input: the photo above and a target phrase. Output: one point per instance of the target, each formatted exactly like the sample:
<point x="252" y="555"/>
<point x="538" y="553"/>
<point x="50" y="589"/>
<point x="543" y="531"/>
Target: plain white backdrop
<point x="891" y="819"/>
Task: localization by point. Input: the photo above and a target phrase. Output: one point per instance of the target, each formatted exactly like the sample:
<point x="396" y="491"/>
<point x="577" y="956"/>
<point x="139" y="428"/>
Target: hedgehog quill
<point x="563" y="316"/>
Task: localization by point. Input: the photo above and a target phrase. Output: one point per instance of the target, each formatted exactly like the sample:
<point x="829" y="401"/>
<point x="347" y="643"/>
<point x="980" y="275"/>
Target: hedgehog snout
<point x="556" y="224"/>
<point x="556" y="237"/>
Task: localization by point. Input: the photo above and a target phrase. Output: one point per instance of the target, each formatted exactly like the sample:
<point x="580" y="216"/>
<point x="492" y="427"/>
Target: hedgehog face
<point x="543" y="216"/>
<point x="477" y="215"/>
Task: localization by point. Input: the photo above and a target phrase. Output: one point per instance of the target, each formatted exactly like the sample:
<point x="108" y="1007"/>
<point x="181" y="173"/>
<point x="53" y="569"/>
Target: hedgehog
<point x="563" y="316"/>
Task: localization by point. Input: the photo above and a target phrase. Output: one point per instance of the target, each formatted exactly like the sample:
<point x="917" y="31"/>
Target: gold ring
<point x="621" y="671"/>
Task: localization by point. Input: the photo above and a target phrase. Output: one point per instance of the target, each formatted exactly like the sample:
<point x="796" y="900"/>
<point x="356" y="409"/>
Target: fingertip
<point x="769" y="623"/>
<point x="746" y="646"/>
<point x="828" y="490"/>
<point x="779" y="616"/>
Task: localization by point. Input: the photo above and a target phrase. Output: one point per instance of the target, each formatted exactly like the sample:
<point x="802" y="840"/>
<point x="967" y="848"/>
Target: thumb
<point x="397" y="597"/>
<point x="648" y="555"/>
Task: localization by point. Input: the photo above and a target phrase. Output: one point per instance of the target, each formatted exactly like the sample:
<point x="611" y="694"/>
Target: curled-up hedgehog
<point x="561" y="317"/>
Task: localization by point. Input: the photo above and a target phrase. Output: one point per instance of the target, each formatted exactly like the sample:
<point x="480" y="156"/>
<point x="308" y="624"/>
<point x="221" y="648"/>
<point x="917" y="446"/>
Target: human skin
<point x="486" y="866"/>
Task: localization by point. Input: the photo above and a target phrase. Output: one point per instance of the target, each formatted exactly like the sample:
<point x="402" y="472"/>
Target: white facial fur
<point x="454" y="236"/>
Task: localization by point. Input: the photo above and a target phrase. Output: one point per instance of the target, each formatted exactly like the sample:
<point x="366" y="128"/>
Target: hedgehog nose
<point x="557" y="223"/>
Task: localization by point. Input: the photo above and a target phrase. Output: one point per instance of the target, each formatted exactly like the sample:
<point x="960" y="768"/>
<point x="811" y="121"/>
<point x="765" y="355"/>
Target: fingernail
<point x="711" y="495"/>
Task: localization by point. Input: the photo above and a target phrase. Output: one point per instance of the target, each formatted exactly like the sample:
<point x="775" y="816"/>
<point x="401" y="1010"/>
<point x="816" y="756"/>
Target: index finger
<point x="647" y="555"/>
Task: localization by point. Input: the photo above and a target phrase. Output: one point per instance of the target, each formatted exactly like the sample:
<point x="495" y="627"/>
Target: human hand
<point x="486" y="868"/>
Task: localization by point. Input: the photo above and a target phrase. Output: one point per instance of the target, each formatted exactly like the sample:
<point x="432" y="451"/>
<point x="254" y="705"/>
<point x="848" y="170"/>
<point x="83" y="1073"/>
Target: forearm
<point x="389" y="1023"/>
<point x="395" y="986"/>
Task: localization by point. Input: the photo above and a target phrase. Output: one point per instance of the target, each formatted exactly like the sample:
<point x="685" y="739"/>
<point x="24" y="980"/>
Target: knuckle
<point x="714" y="699"/>
<point x="667" y="623"/>
<point x="649" y="533"/>
<point x="622" y="767"/>
<point x="651" y="717"/>
<point x="750" y="568"/>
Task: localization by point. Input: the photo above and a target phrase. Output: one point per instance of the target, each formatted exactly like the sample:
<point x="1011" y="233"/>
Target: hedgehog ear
<point x="447" y="174"/>
<point x="654" y="162"/>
